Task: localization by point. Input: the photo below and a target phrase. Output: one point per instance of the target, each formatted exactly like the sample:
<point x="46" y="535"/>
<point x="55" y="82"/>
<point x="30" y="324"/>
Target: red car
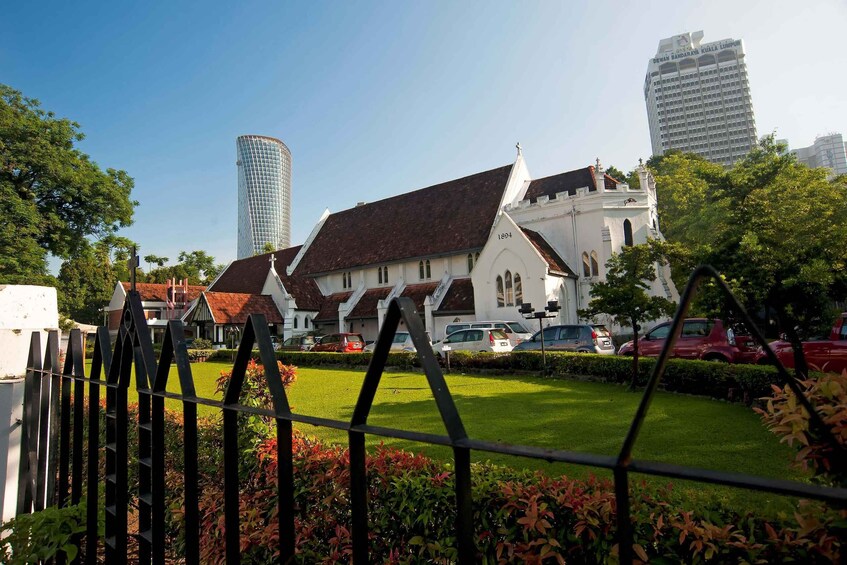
<point x="825" y="355"/>
<point x="701" y="338"/>
<point x="341" y="343"/>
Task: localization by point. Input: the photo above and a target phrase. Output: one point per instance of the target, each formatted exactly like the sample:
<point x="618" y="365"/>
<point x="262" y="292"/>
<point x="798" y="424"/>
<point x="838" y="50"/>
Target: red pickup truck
<point x="825" y="355"/>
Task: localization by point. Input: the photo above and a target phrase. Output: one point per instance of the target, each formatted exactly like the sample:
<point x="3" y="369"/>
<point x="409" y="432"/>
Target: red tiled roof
<point x="248" y="276"/>
<point x="157" y="292"/>
<point x="329" y="308"/>
<point x="459" y="297"/>
<point x="450" y="217"/>
<point x="553" y="259"/>
<point x="233" y="308"/>
<point x="367" y="304"/>
<point x="418" y="293"/>
<point x="565" y="182"/>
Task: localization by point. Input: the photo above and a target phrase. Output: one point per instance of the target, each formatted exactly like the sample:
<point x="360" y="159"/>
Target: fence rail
<point x="54" y="414"/>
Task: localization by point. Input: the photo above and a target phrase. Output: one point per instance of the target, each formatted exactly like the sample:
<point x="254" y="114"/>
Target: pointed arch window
<point x="470" y="262"/>
<point x="586" y="265"/>
<point x="421" y="270"/>
<point x="518" y="290"/>
<point x="500" y="301"/>
<point x="595" y="266"/>
<point x="627" y="233"/>
<point x="510" y="295"/>
<point x="295" y="322"/>
<point x="379" y="274"/>
<point x="428" y="271"/>
<point x="306" y="322"/>
<point x="385" y="275"/>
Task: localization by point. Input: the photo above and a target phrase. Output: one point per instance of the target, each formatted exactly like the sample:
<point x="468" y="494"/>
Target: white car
<point x="402" y="342"/>
<point x="515" y="331"/>
<point x="475" y="339"/>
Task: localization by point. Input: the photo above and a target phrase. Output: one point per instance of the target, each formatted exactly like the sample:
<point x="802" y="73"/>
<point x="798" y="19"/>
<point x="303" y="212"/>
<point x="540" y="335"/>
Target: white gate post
<point x="23" y="310"/>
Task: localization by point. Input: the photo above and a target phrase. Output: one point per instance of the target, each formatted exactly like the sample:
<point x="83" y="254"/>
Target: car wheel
<point x="716" y="359"/>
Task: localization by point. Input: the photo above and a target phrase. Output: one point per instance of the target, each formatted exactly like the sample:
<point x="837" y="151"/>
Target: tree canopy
<point x="775" y="228"/>
<point x="53" y="198"/>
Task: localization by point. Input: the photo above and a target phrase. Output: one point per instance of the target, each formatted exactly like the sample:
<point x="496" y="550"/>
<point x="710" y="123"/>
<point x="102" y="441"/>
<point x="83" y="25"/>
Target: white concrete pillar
<point x="11" y="414"/>
<point x="24" y="309"/>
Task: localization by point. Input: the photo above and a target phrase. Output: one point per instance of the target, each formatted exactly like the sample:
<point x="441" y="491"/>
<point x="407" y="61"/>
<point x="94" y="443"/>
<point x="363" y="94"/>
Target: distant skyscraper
<point x="264" y="194"/>
<point x="827" y="151"/>
<point x="698" y="98"/>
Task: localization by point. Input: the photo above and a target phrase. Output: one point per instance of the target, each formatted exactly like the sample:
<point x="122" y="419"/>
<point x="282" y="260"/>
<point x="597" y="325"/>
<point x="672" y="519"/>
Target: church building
<point x="474" y="248"/>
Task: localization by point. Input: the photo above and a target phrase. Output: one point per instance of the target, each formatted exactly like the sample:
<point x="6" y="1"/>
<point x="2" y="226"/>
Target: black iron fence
<point x="54" y="414"/>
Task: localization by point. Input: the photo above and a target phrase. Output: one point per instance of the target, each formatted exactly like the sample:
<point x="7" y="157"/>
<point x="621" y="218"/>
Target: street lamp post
<point x="549" y="311"/>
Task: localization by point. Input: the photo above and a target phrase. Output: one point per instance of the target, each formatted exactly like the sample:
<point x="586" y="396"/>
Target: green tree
<point x="630" y="178"/>
<point x="53" y="196"/>
<point x="198" y="267"/>
<point x="88" y="278"/>
<point x="85" y="284"/>
<point x="154" y="260"/>
<point x="267" y="248"/>
<point x="623" y="295"/>
<point x="775" y="228"/>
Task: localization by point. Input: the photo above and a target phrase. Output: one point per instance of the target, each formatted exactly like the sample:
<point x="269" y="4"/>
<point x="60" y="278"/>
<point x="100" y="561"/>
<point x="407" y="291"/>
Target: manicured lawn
<point x="579" y="416"/>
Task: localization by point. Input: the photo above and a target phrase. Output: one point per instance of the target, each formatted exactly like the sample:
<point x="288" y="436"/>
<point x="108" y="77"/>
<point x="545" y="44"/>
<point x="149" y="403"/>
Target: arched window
<point x="379" y="274"/>
<point x="586" y="265"/>
<point x="510" y="297"/>
<point x="295" y="322"/>
<point x="500" y="301"/>
<point x="518" y="290"/>
<point x="306" y="322"/>
<point x="428" y="271"/>
<point x="627" y="233"/>
<point x="421" y="270"/>
<point x="595" y="267"/>
<point x="470" y="262"/>
<point x="385" y="275"/>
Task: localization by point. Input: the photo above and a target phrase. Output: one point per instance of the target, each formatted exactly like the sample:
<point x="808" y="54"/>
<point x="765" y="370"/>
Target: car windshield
<point x="517" y="328"/>
<point x="353" y="338"/>
<point x="400" y="337"/>
<point x="499" y="334"/>
<point x="308" y="340"/>
<point x="601" y="331"/>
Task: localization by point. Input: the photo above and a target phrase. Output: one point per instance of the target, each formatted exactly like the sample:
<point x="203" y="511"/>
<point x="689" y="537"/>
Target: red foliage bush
<point x="786" y="417"/>
<point x="519" y="516"/>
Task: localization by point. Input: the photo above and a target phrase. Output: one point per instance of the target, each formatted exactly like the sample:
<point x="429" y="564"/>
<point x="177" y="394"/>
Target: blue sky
<point x="375" y="99"/>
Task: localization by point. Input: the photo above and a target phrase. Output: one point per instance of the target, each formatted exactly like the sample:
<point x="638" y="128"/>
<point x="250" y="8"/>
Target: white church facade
<point x="474" y="248"/>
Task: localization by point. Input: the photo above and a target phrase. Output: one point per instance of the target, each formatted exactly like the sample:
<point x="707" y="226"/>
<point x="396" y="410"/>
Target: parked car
<point x="402" y="342"/>
<point x="700" y="338"/>
<point x="298" y="343"/>
<point x="341" y="343"/>
<point x="826" y="355"/>
<point x="580" y="338"/>
<point x="515" y="331"/>
<point x="475" y="339"/>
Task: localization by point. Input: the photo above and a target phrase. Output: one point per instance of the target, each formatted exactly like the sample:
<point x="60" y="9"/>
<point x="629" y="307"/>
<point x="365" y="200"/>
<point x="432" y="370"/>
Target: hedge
<point x="724" y="381"/>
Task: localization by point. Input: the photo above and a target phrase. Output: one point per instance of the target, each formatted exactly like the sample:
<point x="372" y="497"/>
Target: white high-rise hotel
<point x="698" y="98"/>
<point x="264" y="194"/>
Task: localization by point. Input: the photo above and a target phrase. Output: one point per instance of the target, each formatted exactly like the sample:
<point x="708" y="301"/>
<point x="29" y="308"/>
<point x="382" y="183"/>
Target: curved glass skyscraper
<point x="264" y="194"/>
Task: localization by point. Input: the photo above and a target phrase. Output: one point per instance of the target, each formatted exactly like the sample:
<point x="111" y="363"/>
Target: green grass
<point x="572" y="415"/>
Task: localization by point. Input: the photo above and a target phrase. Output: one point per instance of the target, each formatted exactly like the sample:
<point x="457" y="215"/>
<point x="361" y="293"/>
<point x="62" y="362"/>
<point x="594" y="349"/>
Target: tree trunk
<point x="634" y="354"/>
